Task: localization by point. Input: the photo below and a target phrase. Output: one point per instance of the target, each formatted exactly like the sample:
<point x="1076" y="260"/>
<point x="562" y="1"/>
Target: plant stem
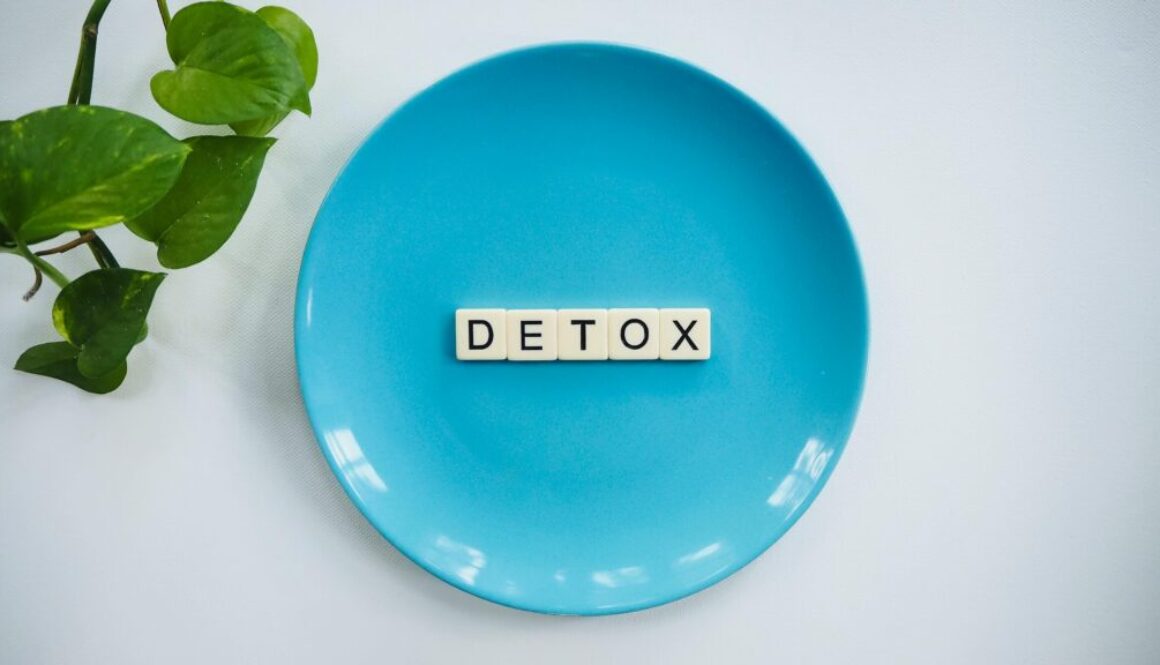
<point x="104" y="257"/>
<point x="102" y="253"/>
<point x="81" y="92"/>
<point x="38" y="279"/>
<point x="42" y="265"/>
<point x="163" y="7"/>
<point x="82" y="85"/>
<point x="87" y="236"/>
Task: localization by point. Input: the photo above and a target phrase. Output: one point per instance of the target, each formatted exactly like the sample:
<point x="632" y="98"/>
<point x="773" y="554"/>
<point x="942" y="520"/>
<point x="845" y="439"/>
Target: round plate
<point x="581" y="175"/>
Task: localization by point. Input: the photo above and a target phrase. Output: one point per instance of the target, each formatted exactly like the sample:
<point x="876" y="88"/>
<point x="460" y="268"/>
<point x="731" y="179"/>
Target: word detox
<point x="582" y="334"/>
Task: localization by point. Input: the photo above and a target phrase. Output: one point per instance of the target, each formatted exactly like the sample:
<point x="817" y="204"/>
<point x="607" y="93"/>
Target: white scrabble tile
<point x="583" y="334"/>
<point x="531" y="334"/>
<point x="685" y="334"/>
<point x="633" y="334"/>
<point x="479" y="334"/>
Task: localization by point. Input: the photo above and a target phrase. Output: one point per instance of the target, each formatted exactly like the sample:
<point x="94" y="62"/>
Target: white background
<point x="1000" y="497"/>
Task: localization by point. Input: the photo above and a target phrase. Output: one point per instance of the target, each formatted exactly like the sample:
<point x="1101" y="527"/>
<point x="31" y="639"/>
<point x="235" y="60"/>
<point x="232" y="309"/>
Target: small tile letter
<point x="481" y="334"/>
<point x="684" y="334"/>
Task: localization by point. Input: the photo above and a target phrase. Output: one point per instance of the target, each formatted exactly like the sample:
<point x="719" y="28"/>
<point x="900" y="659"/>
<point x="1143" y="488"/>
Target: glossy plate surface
<point x="581" y="175"/>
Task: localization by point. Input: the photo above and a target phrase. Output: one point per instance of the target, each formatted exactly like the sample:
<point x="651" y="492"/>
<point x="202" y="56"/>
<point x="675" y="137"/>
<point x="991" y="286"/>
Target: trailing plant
<point x="77" y="168"/>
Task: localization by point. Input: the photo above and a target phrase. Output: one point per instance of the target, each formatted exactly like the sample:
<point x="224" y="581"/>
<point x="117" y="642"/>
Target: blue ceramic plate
<point x="581" y="175"/>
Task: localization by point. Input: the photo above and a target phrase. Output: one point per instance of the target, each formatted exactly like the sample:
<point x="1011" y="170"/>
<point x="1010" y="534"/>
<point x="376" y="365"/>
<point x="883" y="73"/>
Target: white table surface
<point x="999" y="500"/>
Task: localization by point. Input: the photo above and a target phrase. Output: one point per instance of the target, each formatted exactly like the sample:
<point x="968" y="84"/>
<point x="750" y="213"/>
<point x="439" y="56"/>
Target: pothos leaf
<point x="202" y="210"/>
<point x="300" y="38"/>
<point x="81" y="167"/>
<point x="6" y="238"/>
<point x="58" y="360"/>
<point x="298" y="35"/>
<point x="192" y="24"/>
<point x="102" y="313"/>
<point x="231" y="67"/>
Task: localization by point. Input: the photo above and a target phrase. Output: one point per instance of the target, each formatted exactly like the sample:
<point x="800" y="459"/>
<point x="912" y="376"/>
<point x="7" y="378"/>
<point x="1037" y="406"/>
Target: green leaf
<point x="102" y="313"/>
<point x="300" y="38"/>
<point x="5" y="236"/>
<point x="194" y="23"/>
<point x="231" y="67"/>
<point x="59" y="361"/>
<point x="298" y="35"/>
<point x="81" y="167"/>
<point x="259" y="127"/>
<point x="202" y="210"/>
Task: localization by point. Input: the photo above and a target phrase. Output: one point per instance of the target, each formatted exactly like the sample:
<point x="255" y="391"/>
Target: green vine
<point x="77" y="168"/>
